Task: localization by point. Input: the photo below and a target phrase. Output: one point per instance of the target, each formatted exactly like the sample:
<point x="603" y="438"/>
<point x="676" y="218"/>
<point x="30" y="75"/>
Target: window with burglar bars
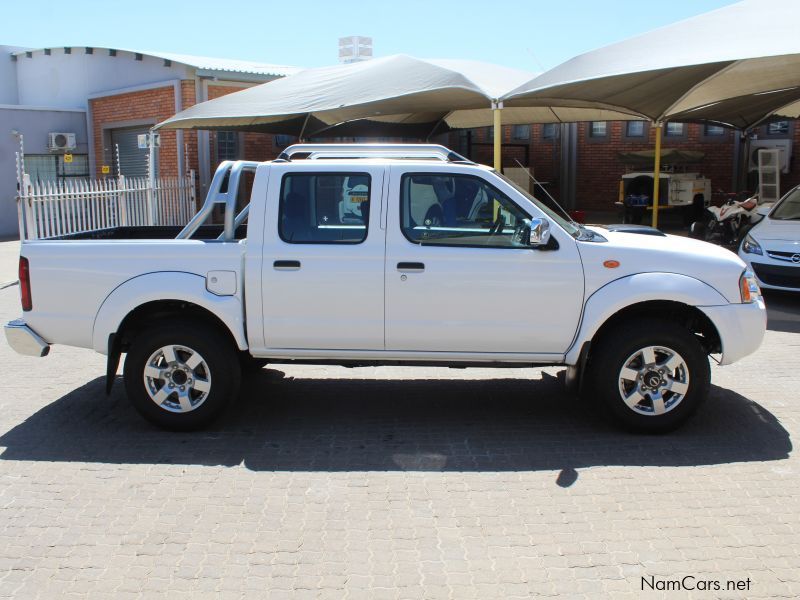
<point x="675" y="129"/>
<point x="634" y="129"/>
<point x="227" y="145"/>
<point x="53" y="167"/>
<point x="598" y="129"/>
<point x="521" y="132"/>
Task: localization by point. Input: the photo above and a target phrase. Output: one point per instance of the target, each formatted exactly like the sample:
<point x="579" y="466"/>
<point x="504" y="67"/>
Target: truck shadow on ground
<point x="286" y="424"/>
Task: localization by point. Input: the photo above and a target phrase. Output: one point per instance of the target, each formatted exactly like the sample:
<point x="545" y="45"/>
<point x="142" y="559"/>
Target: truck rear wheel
<point x="649" y="374"/>
<point x="180" y="376"/>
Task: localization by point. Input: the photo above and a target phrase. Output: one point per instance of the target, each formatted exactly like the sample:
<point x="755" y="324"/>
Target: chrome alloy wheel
<point x="177" y="378"/>
<point x="653" y="380"/>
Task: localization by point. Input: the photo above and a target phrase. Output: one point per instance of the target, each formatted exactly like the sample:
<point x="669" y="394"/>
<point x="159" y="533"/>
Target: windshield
<point x="788" y="209"/>
<point x="569" y="226"/>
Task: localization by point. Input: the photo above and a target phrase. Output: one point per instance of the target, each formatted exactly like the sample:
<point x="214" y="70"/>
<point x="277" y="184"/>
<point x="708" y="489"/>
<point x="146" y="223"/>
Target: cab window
<point x="324" y="208"/>
<point x="459" y="210"/>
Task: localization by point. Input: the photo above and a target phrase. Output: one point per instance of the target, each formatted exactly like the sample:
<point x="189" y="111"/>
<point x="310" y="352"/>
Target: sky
<point x="534" y="35"/>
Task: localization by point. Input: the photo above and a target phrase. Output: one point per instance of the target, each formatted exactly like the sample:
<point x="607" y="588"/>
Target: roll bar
<point x="227" y="175"/>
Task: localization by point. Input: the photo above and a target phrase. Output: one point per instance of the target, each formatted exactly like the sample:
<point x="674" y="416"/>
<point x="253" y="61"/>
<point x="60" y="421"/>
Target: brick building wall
<point x="148" y="107"/>
<point x="145" y="106"/>
<point x="598" y="165"/>
<point x="190" y="154"/>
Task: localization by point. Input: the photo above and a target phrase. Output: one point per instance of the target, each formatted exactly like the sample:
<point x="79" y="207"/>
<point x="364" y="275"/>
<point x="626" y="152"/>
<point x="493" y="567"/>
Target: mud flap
<point x="575" y="375"/>
<point x="112" y="365"/>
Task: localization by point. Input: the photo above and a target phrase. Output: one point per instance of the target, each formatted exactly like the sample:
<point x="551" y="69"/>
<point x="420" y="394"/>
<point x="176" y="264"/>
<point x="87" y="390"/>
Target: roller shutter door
<point x="132" y="159"/>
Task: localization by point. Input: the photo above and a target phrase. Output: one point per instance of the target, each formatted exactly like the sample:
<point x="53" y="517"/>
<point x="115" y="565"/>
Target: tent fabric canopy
<point x="394" y="95"/>
<point x="698" y="64"/>
<point x="394" y="89"/>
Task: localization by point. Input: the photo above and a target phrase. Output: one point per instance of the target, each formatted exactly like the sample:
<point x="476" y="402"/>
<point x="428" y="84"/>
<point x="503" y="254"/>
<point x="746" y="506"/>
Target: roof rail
<point x="409" y="151"/>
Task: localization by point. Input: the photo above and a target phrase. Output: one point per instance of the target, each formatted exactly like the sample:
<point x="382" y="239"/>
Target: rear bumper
<point x="24" y="340"/>
<point x="741" y="328"/>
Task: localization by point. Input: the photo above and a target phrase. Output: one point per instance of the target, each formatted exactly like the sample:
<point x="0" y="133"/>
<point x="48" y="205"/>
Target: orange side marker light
<point x="611" y="264"/>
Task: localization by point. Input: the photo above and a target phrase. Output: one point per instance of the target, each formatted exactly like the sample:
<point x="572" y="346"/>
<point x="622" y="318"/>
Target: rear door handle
<point x="286" y="265"/>
<point x="411" y="267"/>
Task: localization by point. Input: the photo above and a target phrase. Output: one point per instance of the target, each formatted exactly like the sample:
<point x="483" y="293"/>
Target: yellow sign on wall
<point x="68" y="158"/>
<point x="105" y="169"/>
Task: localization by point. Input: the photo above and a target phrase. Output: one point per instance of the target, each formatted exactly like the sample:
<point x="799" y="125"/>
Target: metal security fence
<point x="56" y="208"/>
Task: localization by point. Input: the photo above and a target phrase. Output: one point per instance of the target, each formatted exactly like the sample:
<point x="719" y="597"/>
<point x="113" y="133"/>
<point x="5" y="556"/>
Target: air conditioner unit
<point x="784" y="146"/>
<point x="60" y="142"/>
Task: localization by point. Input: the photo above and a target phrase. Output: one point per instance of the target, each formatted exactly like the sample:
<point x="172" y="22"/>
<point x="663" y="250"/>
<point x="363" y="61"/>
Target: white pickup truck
<point x="394" y="254"/>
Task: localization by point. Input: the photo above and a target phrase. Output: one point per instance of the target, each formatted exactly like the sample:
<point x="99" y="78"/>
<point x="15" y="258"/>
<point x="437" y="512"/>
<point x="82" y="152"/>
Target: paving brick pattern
<point x="393" y="483"/>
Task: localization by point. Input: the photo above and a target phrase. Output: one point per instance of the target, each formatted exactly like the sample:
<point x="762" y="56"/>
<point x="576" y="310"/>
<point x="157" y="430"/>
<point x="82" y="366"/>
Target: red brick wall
<point x="599" y="168"/>
<point x="189" y="98"/>
<point x="157" y="104"/>
<point x="153" y="105"/>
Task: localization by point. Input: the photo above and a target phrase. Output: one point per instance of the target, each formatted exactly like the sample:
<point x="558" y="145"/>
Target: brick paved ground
<point x="394" y="483"/>
<point x="9" y="252"/>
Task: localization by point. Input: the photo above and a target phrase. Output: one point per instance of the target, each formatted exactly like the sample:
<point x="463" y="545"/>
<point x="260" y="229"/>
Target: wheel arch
<point x="669" y="296"/>
<point x="157" y="295"/>
<point x="691" y="317"/>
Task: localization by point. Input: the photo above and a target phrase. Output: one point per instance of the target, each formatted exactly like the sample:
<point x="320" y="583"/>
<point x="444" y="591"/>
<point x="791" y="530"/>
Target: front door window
<point x="459" y="210"/>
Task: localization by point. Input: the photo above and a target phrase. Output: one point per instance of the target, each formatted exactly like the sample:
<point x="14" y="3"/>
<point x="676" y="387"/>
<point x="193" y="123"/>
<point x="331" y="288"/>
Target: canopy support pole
<point x="657" y="172"/>
<point x="498" y="136"/>
<point x="300" y="137"/>
<point x="435" y="127"/>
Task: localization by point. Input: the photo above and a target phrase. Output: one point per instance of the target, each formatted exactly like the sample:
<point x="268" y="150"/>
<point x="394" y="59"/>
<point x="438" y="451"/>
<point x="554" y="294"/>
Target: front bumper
<point x="774" y="276"/>
<point x="24" y="340"/>
<point x="776" y="268"/>
<point x="741" y="328"/>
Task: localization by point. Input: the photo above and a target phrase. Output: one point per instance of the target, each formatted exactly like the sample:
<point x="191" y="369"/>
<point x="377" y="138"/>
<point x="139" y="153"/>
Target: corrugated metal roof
<point x="225" y="64"/>
<point x="206" y="63"/>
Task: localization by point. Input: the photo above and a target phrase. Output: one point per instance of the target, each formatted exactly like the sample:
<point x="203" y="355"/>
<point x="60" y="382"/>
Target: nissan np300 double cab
<point x="389" y="254"/>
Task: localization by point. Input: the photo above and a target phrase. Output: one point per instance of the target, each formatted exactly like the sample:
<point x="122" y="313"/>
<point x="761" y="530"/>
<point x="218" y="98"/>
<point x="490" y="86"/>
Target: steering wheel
<point x="519" y="236"/>
<point x="498" y="225"/>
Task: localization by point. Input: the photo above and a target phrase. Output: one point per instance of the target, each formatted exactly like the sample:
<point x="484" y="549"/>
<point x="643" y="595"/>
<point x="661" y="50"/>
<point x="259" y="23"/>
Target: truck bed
<point x="154" y="232"/>
<point x="72" y="277"/>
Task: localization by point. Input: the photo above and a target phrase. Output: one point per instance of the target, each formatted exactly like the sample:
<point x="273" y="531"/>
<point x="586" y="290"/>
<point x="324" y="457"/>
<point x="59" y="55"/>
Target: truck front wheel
<point x="650" y="375"/>
<point x="179" y="375"/>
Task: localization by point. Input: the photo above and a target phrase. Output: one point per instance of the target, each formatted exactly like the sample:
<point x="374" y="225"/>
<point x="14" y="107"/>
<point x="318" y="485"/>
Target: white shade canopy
<point x="394" y="93"/>
<point x="716" y="66"/>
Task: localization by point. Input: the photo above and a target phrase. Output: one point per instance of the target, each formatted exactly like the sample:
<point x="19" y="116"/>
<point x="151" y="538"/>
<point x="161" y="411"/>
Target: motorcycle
<point x="726" y="225"/>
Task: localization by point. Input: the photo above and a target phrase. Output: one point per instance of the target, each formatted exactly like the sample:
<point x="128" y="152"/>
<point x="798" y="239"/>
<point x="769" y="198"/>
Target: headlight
<point x="750" y="246"/>
<point x="749" y="287"/>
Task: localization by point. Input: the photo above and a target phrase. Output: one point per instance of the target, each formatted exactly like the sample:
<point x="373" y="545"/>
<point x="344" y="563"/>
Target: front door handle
<point x="410" y="267"/>
<point x="286" y="265"/>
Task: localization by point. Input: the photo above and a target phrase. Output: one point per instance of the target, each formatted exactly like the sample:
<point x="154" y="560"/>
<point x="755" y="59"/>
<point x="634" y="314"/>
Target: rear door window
<point x="324" y="208"/>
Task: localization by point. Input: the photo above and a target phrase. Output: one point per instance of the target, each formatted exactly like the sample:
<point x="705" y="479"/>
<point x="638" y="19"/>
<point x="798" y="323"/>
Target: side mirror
<point x="540" y="233"/>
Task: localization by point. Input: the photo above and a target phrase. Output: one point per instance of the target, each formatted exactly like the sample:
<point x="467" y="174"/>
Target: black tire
<point x="698" y="207"/>
<point x="611" y="353"/>
<point x="220" y="360"/>
<point x="697" y="230"/>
